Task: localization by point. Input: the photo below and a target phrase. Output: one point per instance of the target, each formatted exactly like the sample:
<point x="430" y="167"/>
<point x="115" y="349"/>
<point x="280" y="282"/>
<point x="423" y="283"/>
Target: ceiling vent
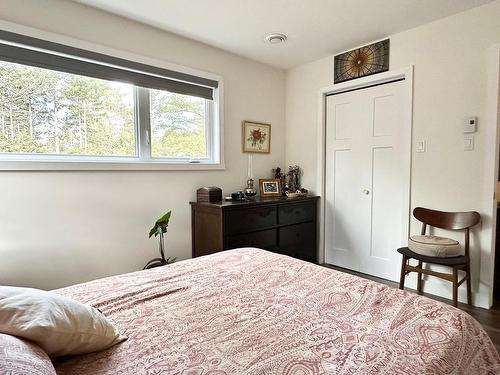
<point x="276" y="38"/>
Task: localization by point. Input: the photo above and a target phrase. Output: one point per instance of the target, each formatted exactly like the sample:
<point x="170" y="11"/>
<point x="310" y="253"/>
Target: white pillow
<point x="59" y="325"/>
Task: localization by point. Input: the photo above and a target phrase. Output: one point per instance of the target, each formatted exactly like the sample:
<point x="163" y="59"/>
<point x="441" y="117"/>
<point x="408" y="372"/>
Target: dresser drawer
<point x="227" y="225"/>
<point x="265" y="239"/>
<point x="298" y="241"/>
<point x="250" y="219"/>
<point x="297" y="213"/>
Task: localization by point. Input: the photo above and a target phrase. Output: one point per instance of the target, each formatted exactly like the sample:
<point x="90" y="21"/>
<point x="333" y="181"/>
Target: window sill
<point x="76" y="165"/>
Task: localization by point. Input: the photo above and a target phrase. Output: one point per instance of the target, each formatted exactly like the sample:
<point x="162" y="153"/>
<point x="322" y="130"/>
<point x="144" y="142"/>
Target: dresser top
<point x="257" y="201"/>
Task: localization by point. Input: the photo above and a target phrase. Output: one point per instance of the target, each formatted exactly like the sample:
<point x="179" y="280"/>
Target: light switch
<point x="468" y="143"/>
<point x="420" y="146"/>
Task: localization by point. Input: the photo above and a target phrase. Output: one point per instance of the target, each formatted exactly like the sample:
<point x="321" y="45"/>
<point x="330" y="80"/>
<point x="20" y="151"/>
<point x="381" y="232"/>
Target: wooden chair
<point x="443" y="220"/>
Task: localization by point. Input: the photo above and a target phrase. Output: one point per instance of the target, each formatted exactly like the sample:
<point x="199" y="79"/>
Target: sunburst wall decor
<point x="361" y="62"/>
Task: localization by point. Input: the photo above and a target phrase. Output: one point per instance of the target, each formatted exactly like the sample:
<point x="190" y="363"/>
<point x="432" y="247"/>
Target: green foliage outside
<point x="49" y="112"/>
<point x="177" y="125"/>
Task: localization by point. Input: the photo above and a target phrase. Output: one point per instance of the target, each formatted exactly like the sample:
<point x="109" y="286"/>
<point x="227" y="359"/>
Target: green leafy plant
<point x="160" y="228"/>
<point x="160" y="225"/>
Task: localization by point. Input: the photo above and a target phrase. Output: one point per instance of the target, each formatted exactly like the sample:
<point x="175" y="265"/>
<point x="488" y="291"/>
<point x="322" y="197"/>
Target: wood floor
<point x="489" y="319"/>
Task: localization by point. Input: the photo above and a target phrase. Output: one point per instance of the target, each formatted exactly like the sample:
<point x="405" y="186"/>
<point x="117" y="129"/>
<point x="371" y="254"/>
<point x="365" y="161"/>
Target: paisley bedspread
<point x="249" y="311"/>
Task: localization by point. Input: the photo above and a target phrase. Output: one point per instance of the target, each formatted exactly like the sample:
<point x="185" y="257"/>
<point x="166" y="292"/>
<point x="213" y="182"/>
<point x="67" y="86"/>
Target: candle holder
<point x="250" y="191"/>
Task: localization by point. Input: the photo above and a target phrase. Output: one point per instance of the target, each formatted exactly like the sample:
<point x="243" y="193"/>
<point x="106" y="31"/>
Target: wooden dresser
<point x="283" y="225"/>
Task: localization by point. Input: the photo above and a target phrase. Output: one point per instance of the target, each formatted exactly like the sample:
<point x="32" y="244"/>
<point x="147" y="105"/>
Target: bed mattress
<point x="249" y="311"/>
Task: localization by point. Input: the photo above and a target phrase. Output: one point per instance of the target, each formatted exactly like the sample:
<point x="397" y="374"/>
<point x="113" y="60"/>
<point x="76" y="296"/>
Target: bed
<point x="249" y="311"/>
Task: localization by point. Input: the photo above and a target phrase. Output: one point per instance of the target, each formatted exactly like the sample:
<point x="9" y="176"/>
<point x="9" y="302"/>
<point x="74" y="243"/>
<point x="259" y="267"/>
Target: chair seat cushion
<point x="434" y="246"/>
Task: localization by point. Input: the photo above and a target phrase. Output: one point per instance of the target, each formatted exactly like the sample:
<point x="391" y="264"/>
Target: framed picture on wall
<point x="256" y="137"/>
<point x="269" y="188"/>
<point x="362" y="62"/>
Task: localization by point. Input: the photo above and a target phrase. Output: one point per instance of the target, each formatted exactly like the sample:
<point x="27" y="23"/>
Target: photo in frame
<point x="270" y="187"/>
<point x="256" y="137"/>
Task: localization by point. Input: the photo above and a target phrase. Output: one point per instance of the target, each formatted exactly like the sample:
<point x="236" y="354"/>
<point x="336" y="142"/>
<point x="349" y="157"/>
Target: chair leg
<point x="403" y="273"/>
<point x="419" y="278"/>
<point x="469" y="285"/>
<point x="455" y="286"/>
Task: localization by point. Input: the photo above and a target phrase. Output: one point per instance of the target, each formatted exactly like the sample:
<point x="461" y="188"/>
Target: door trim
<point x="405" y="74"/>
<point x="492" y="150"/>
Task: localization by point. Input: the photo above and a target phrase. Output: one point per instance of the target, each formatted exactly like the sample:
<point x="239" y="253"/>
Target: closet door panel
<point x="367" y="179"/>
<point x="346" y="204"/>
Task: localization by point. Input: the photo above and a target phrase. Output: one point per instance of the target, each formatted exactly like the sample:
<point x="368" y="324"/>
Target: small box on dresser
<point x="282" y="225"/>
<point x="209" y="194"/>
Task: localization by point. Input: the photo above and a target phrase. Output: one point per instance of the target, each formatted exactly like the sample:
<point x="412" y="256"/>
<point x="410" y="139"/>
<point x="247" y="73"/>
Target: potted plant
<point x="159" y="229"/>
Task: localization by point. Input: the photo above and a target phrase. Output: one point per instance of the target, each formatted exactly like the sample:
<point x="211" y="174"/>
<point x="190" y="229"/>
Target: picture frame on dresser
<point x="269" y="187"/>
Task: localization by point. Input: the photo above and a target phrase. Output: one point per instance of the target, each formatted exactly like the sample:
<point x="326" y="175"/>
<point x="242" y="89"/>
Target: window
<point x="178" y="126"/>
<point x="52" y="113"/>
<point x="66" y="104"/>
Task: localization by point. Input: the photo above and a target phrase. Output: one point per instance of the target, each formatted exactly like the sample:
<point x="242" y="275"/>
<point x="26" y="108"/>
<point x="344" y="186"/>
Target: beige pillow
<point x="434" y="246"/>
<point x="59" y="325"/>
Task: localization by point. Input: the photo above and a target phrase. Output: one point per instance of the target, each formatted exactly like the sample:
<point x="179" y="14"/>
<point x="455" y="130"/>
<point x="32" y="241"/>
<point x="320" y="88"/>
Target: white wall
<point x="450" y="57"/>
<point x="60" y="228"/>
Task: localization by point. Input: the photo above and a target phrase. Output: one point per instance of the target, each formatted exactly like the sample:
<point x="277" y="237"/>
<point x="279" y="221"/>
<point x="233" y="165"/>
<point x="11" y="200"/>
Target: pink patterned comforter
<point x="249" y="311"/>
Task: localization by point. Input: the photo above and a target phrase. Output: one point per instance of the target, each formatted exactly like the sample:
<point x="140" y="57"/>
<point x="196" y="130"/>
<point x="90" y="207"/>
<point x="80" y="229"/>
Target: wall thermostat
<point x="470" y="124"/>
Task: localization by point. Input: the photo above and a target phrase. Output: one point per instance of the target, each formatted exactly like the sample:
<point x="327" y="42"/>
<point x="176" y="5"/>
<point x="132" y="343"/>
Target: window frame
<point x="143" y="124"/>
<point x="143" y="159"/>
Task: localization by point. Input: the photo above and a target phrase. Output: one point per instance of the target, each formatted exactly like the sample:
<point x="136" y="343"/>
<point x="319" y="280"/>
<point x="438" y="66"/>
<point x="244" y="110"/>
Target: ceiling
<point x="315" y="28"/>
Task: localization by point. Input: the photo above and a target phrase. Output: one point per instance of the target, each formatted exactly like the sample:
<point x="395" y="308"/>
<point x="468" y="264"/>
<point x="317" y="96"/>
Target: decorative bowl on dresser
<point x="282" y="225"/>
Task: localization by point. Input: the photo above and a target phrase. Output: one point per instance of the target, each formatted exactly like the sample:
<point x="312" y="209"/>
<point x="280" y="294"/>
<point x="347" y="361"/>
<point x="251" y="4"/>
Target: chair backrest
<point x="447" y="220"/>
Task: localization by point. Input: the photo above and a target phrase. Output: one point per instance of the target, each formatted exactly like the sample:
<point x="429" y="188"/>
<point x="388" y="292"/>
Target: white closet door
<point x="346" y="204"/>
<point x="367" y="179"/>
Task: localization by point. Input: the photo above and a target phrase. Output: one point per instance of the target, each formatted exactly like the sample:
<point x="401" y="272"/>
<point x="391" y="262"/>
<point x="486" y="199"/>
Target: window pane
<point x="178" y="126"/>
<point x="49" y="112"/>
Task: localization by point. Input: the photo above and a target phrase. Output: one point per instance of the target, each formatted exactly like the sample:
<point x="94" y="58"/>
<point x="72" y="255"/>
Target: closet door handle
<point x="366" y="192"/>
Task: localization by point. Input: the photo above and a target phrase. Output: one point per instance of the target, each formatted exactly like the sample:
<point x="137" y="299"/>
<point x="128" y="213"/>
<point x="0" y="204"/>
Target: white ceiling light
<point x="276" y="38"/>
